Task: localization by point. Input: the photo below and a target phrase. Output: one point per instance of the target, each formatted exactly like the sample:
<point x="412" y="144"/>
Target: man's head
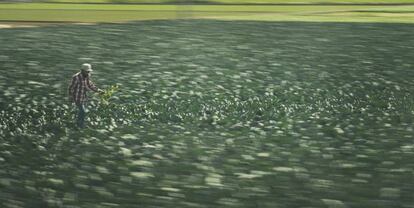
<point x="86" y="69"/>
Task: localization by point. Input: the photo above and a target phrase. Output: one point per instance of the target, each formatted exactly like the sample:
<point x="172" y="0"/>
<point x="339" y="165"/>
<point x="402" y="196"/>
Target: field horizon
<point x="37" y="13"/>
<point x="268" y="2"/>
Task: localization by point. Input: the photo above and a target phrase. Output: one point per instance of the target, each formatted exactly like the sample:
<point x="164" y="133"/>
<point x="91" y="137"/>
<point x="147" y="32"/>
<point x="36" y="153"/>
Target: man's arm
<point x="92" y="86"/>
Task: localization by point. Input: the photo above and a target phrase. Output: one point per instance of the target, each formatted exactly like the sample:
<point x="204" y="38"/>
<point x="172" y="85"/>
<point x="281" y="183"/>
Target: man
<point x="78" y="87"/>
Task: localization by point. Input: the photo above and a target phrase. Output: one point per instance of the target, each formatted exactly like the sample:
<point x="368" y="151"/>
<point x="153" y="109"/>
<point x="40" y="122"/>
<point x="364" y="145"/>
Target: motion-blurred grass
<point x="210" y="114"/>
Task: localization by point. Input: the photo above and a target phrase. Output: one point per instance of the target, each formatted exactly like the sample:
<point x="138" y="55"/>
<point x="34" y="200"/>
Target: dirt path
<point x="25" y="24"/>
<point x="8" y="24"/>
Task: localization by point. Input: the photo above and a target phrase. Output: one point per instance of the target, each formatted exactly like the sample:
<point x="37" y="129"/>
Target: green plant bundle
<point x="107" y="94"/>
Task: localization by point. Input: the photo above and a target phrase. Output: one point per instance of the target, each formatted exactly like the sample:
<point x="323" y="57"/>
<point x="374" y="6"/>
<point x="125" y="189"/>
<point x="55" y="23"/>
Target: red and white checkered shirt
<point x="79" y="86"/>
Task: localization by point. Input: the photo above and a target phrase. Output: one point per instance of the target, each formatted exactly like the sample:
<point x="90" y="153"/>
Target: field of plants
<point x="210" y="114"/>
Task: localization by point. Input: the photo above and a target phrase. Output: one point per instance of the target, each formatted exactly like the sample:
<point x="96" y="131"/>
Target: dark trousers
<point x="81" y="115"/>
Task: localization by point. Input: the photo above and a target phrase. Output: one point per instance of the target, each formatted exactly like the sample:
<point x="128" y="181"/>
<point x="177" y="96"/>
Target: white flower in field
<point x="347" y="165"/>
<point x="247" y="157"/>
<point x="283" y="169"/>
<point x="236" y="76"/>
<point x="142" y="163"/>
<point x="247" y="176"/>
<point x="263" y="154"/>
<point x="129" y="136"/>
<point x="56" y="181"/>
<point x="126" y="152"/>
<point x="390" y="192"/>
<point x="102" y="169"/>
<point x="175" y="94"/>
<point x="142" y="175"/>
<point x="339" y="130"/>
<point x="203" y="76"/>
<point x="169" y="189"/>
<point x="213" y="179"/>
<point x="334" y="203"/>
<point x="397" y="87"/>
<point x="261" y="173"/>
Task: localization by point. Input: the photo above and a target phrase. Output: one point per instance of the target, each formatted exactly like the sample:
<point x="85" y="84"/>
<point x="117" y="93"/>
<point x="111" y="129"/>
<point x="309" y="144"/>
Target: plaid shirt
<point x="79" y="86"/>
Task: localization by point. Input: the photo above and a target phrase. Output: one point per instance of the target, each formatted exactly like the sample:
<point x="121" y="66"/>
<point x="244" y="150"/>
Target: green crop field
<point x="277" y="106"/>
<point x="210" y="114"/>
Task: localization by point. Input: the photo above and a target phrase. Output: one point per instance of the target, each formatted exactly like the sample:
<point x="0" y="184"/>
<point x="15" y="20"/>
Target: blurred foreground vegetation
<point x="210" y="114"/>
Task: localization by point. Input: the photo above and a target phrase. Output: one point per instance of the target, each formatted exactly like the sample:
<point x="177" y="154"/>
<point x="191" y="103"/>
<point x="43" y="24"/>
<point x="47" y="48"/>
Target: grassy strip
<point x="315" y="1"/>
<point x="339" y="17"/>
<point x="242" y="1"/>
<point x="82" y="16"/>
<point x="201" y="8"/>
<point x="121" y="13"/>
